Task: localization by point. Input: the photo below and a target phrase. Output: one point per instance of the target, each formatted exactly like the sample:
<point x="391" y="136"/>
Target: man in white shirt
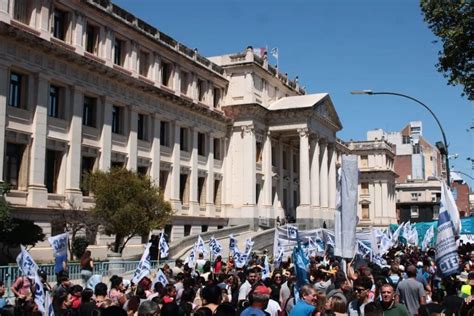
<point x="247" y="285"/>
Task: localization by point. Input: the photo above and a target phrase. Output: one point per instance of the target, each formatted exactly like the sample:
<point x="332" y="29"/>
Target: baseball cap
<point x="262" y="290"/>
<point x="419" y="264"/>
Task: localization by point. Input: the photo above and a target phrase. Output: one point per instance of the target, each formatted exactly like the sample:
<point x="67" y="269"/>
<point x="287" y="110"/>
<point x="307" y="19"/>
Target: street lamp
<point x="445" y="142"/>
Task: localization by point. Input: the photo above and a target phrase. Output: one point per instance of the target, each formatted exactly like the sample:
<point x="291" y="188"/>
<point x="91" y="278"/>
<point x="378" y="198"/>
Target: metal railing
<point x="8" y="274"/>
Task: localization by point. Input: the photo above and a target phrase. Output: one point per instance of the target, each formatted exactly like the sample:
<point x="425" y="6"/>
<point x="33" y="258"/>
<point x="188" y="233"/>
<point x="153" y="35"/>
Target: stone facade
<point x="85" y="85"/>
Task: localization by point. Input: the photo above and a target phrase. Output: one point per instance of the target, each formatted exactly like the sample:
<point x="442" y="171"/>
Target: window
<point x="414" y="196"/>
<point x="166" y="74"/>
<point x="435" y="212"/>
<point x="13" y="164"/>
<point x="119" y="52"/>
<point x="415" y="129"/>
<point x="201" y="144"/>
<point x="416" y="149"/>
<point x="184" y="139"/>
<point x="217" y="192"/>
<point x="117" y="119"/>
<point x="204" y="228"/>
<point x="187" y="230"/>
<point x="295" y="163"/>
<point x="406" y="139"/>
<point x="414" y="212"/>
<point x="59" y="24"/>
<point x="184" y="82"/>
<point x="258" y="157"/>
<point x="201" y="86"/>
<point x="142" y="170"/>
<point x="22" y="10"/>
<point x="144" y="63"/>
<point x="217" y="149"/>
<point x="89" y="112"/>
<point x="163" y="179"/>
<point x="53" y="165"/>
<point x="364" y="188"/>
<point x="54" y="101"/>
<point x="364" y="161"/>
<point x="365" y="211"/>
<point x="217" y="98"/>
<point x="274" y="157"/>
<point x="285" y="160"/>
<point x="165" y="133"/>
<point x="142" y="132"/>
<point x="87" y="166"/>
<point x="201" y="191"/>
<point x="92" y="39"/>
<point x="16" y="97"/>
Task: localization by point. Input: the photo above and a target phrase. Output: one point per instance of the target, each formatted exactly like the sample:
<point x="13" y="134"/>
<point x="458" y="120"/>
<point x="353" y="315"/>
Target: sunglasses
<point x="359" y="289"/>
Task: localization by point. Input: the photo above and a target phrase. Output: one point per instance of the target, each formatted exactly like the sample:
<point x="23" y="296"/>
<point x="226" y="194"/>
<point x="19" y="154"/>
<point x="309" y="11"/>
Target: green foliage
<point x="127" y="204"/>
<point x="79" y="246"/>
<point x="452" y="22"/>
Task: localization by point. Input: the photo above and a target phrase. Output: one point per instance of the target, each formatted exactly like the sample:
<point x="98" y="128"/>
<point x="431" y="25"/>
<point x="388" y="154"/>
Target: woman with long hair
<point x="87" y="265"/>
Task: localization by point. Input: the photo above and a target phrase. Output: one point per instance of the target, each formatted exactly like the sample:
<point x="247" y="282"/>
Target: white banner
<point x="215" y="246"/>
<point x="160" y="277"/>
<point x="59" y="245"/>
<point x="349" y="187"/>
<point x="144" y="266"/>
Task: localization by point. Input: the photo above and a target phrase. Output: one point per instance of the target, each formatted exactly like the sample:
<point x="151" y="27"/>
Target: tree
<point x="452" y="22"/>
<point x="75" y="220"/>
<point x="14" y="231"/>
<point x="127" y="204"/>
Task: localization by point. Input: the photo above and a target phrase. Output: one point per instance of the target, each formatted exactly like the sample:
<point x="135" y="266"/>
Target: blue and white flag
<point x="248" y="245"/>
<point x="144" y="266"/>
<point x="452" y="209"/>
<point x="59" y="244"/>
<point x="447" y="258"/>
<point x="278" y="256"/>
<point x="274" y="52"/>
<point x="266" y="269"/>
<point x="329" y="240"/>
<point x="428" y="238"/>
<point x="163" y="245"/>
<point x="233" y="244"/>
<point x="191" y="258"/>
<point x="378" y="260"/>
<point x="240" y="259"/>
<point x="201" y="247"/>
<point x="396" y="234"/>
<point x="363" y="249"/>
<point x="29" y="268"/>
<point x="215" y="246"/>
<point x="161" y="278"/>
<point x="291" y="232"/>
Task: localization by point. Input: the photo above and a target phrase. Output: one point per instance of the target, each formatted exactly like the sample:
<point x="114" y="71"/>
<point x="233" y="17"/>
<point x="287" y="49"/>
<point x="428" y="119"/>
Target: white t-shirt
<point x="273" y="308"/>
<point x="244" y="290"/>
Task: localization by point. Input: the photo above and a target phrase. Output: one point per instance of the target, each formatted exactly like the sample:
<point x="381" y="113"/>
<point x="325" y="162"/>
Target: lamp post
<point x="445" y="142"/>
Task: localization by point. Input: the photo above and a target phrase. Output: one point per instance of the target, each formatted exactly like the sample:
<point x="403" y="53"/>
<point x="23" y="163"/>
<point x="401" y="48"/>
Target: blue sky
<point x="334" y="47"/>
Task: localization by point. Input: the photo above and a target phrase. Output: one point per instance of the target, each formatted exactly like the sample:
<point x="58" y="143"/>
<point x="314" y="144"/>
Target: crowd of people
<point x="407" y="285"/>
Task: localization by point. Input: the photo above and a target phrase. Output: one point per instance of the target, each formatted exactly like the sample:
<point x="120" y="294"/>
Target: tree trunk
<point x="117" y="244"/>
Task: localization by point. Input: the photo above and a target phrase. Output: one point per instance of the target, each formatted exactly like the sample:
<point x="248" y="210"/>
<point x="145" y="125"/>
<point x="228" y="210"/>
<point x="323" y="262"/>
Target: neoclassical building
<point x="86" y="85"/>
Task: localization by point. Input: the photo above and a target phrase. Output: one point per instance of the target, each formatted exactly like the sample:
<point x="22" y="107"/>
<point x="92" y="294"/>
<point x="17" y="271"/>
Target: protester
<point x="258" y="300"/>
<point x="389" y="305"/>
<point x="411" y="291"/>
<point x="87" y="265"/>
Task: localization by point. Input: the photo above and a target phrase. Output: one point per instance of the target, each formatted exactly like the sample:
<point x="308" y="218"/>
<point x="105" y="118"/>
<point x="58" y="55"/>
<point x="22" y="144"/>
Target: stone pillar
<point x="78" y="36"/>
<point x="315" y="173"/>
<point x="267" y="171"/>
<point x="74" y="154"/>
<point x="177" y="232"/>
<point x="106" y="136"/>
<point x="249" y="165"/>
<point x="155" y="151"/>
<point x="4" y="79"/>
<point x="323" y="172"/>
<point x="176" y="168"/>
<point x="332" y="176"/>
<point x="37" y="193"/>
<point x="305" y="199"/>
<point x="280" y="178"/>
<point x="132" y="149"/>
<point x="177" y="79"/>
<point x="210" y="207"/>
<point x="384" y="212"/>
<point x="291" y="185"/>
<point x="193" y="188"/>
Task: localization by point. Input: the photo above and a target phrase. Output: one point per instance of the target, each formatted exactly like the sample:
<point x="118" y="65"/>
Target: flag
<point x="274" y="52"/>
<point x="232" y="244"/>
<point x="338" y="216"/>
<point x="349" y="186"/>
<point x="378" y="260"/>
<point x="451" y="208"/>
<point x="396" y="234"/>
<point x="385" y="244"/>
<point x="240" y="259"/>
<point x="363" y="249"/>
<point x="29" y="268"/>
<point x="291" y="232"/>
<point x="329" y="240"/>
<point x="447" y="258"/>
<point x="144" y="266"/>
<point x="406" y="230"/>
<point x="215" y="246"/>
<point x="266" y="269"/>
<point x="160" y="277"/>
<point x="301" y="262"/>
<point x="163" y="245"/>
<point x="428" y="238"/>
<point x="260" y="51"/>
<point x="59" y="244"/>
<point x="248" y="245"/>
<point x="413" y="236"/>
<point x="201" y="247"/>
<point x="191" y="258"/>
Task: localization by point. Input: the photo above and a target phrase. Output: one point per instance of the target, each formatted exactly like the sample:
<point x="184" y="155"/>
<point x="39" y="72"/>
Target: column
<point x="176" y="167"/>
<point x="304" y="171"/>
<point x="37" y="194"/>
<point x="193" y="188"/>
<point x="280" y="177"/>
<point x="323" y="175"/>
<point x="106" y="136"/>
<point x="74" y="154"/>
<point x="132" y="149"/>
<point x="315" y="173"/>
<point x="377" y="200"/>
<point x="210" y="207"/>
<point x="155" y="151"/>
<point x="332" y="176"/>
<point x="384" y="212"/>
<point x="249" y="170"/>
<point x="291" y="184"/>
<point x="78" y="35"/>
<point x="267" y="171"/>
<point x="177" y="79"/>
<point x="4" y="78"/>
